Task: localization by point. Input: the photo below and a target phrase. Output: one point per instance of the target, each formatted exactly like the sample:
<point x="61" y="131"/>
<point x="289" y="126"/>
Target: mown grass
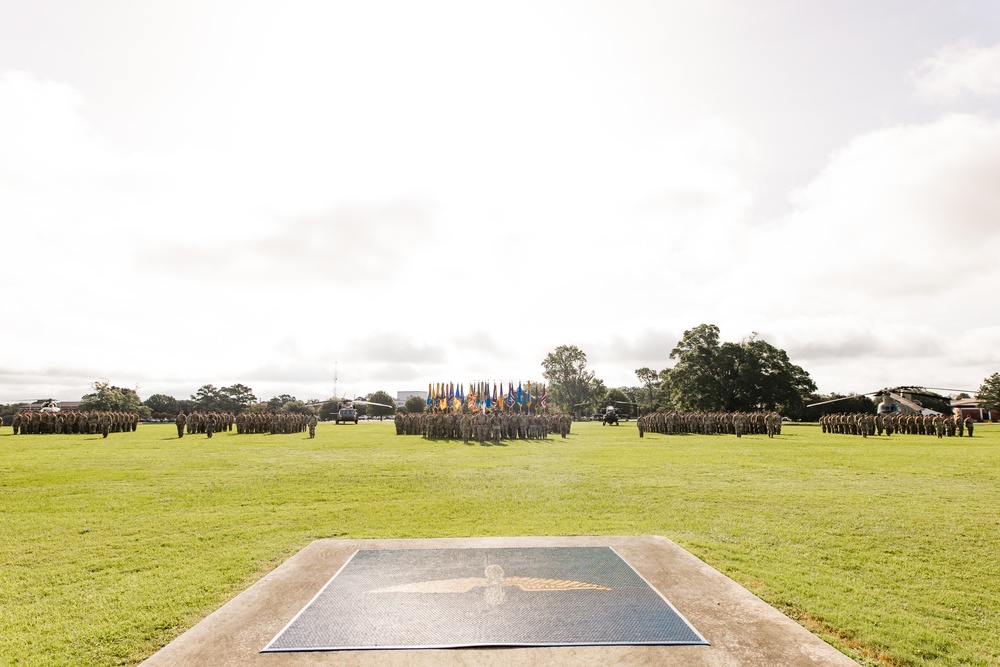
<point x="889" y="548"/>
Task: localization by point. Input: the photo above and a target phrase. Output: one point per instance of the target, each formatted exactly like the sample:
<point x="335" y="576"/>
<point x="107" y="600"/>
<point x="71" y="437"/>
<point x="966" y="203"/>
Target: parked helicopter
<point x="47" y="405"/>
<point x="346" y="412"/>
<point x="893" y="397"/>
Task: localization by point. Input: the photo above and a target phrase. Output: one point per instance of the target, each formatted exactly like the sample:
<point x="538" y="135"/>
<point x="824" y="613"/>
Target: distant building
<point x="403" y="396"/>
<point x="969" y="407"/>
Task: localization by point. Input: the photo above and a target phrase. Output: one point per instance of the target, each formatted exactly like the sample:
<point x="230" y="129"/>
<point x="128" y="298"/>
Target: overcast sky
<point x="414" y="192"/>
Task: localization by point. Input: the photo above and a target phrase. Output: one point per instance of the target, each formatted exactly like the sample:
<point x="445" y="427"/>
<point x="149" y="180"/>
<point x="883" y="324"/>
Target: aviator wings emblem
<point x="494" y="583"/>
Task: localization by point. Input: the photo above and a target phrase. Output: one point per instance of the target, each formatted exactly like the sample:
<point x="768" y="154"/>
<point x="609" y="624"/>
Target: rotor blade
<point x="910" y="404"/>
<point x="381" y="405"/>
<point x="842" y="398"/>
<point x="959" y="391"/>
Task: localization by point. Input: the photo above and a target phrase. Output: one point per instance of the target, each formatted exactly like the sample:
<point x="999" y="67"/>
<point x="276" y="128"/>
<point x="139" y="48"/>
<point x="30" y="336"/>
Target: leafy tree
<point x="619" y="400"/>
<point x="744" y="376"/>
<point x="162" y="404"/>
<point x="296" y="406"/>
<point x="694" y="381"/>
<point x="208" y="398"/>
<point x="109" y="398"/>
<point x="378" y="410"/>
<point x="7" y="411"/>
<point x="989" y="393"/>
<point x="414" y="405"/>
<point x="274" y="405"/>
<point x="572" y="388"/>
<point x="651" y="388"/>
<point x="236" y="398"/>
<point x="328" y="410"/>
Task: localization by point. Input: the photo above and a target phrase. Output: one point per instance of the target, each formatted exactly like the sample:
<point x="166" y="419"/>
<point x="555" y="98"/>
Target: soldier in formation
<point x="271" y="422"/>
<point x="711" y="423"/>
<point x="483" y="426"/>
<point x="74" y="422"/>
<point x="864" y="424"/>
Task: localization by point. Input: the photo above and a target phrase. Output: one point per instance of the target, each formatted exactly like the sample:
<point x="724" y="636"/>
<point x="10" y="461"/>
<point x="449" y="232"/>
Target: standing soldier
<point x="210" y="424"/>
<point x="312" y="426"/>
<point x="105" y="423"/>
<point x="968" y="425"/>
<point x="181" y="421"/>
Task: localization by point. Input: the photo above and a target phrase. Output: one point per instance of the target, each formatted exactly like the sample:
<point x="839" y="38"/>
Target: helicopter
<point x="346" y="412"/>
<point x="46" y="405"/>
<point x="893" y="398"/>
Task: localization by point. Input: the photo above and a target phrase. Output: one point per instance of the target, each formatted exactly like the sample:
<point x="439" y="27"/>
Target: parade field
<point x="886" y="547"/>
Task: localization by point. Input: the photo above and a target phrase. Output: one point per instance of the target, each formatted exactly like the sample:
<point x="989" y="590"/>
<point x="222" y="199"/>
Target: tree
<point x="619" y="400"/>
<point x="745" y="376"/>
<point x="236" y="398"/>
<point x="108" y="398"/>
<point x="572" y="388"/>
<point x="207" y="398"/>
<point x="162" y="404"/>
<point x="296" y="406"/>
<point x="274" y="405"/>
<point x="378" y="410"/>
<point x="329" y="409"/>
<point x="414" y="405"/>
<point x="651" y="384"/>
<point x="989" y="393"/>
<point x="694" y="382"/>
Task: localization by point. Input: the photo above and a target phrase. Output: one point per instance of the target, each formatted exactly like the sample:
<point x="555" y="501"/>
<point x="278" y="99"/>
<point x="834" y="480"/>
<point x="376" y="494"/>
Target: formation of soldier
<point x="245" y="422"/>
<point x="483" y="426"/>
<point x="864" y="424"/>
<point x="203" y="422"/>
<point x="711" y="423"/>
<point x="72" y="421"/>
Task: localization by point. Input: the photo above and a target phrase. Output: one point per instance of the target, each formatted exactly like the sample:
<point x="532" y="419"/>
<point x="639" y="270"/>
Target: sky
<point x="320" y="197"/>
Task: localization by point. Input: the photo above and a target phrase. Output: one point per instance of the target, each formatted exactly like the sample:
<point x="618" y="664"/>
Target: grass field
<point x="888" y="548"/>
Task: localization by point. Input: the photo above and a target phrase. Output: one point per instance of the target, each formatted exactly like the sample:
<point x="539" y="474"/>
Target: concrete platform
<point x="742" y="630"/>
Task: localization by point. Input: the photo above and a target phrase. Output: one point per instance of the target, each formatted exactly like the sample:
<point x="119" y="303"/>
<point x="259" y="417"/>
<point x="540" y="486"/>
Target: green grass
<point x="888" y="548"/>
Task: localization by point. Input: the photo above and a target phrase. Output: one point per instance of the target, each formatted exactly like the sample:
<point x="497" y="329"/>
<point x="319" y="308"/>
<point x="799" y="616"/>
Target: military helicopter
<point x="893" y="397"/>
<point x="47" y="405"/>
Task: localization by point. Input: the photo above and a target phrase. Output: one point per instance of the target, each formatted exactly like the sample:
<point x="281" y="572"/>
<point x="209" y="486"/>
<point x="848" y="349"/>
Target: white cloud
<point x="899" y="215"/>
<point x="958" y="69"/>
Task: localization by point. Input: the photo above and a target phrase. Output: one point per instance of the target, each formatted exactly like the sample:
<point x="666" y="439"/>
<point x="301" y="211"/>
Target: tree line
<point x="710" y="375"/>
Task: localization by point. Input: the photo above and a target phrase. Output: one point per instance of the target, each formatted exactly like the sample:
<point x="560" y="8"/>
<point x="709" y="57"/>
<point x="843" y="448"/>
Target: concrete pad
<point x="743" y="630"/>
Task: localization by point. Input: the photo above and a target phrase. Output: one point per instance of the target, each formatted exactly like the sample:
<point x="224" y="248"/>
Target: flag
<point x="430" y="395"/>
<point x="527" y="394"/>
<point x="510" y="394"/>
<point x="520" y="394"/>
<point x="494" y="393"/>
<point x="543" y="399"/>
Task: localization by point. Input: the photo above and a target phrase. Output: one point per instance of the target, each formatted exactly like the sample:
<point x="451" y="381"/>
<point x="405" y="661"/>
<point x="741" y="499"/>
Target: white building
<point x="403" y="396"/>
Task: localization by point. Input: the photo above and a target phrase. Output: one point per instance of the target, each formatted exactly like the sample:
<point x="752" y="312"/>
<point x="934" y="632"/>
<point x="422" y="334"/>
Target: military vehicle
<point x="347" y="413"/>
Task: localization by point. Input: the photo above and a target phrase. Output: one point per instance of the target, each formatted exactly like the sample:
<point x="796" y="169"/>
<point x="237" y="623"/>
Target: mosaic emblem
<point x="502" y="596"/>
<point x="493" y="583"/>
